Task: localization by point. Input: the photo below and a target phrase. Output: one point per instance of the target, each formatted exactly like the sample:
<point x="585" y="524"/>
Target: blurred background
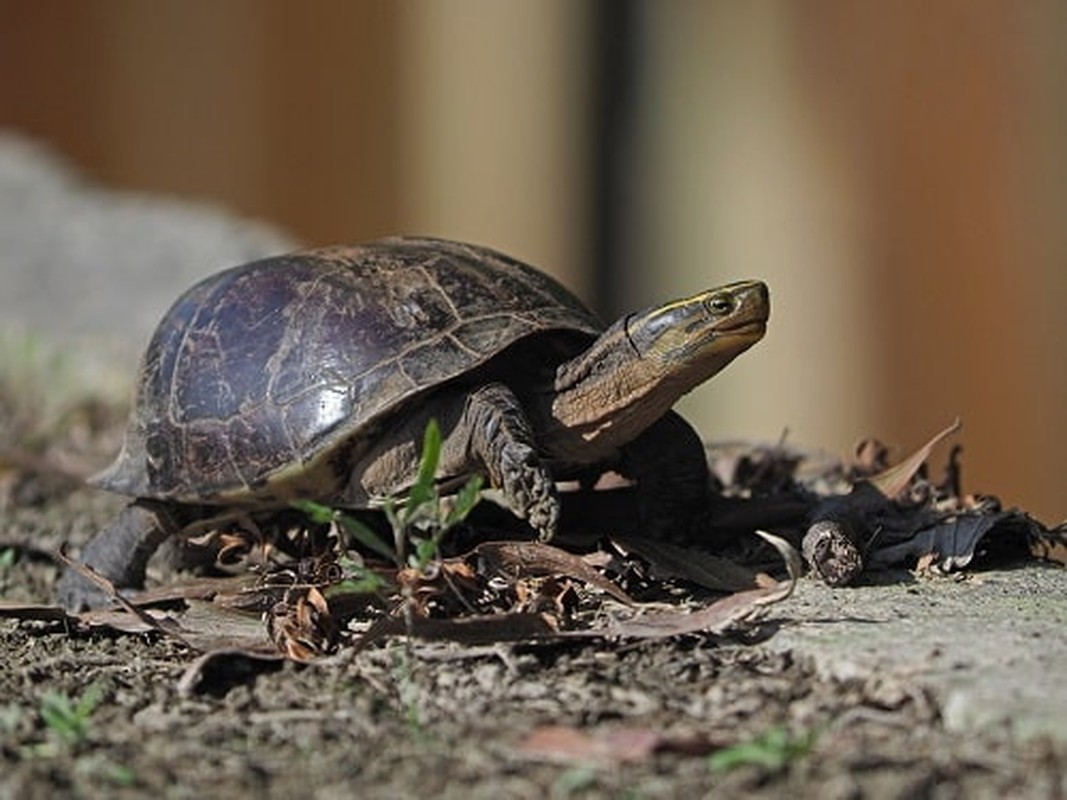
<point x="895" y="171"/>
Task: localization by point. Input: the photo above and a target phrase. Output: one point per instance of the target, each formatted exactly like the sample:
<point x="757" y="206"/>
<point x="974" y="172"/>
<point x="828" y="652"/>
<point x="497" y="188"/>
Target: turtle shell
<point x="265" y="368"/>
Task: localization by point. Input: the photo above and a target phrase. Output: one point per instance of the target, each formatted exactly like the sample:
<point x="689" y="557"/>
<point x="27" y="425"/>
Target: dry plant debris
<point x="317" y="583"/>
<point x="850" y="517"/>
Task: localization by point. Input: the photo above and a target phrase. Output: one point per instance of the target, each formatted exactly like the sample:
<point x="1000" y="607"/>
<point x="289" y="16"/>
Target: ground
<point x="586" y="719"/>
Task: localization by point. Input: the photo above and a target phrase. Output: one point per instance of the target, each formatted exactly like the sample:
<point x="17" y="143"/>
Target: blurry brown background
<point x="895" y="171"/>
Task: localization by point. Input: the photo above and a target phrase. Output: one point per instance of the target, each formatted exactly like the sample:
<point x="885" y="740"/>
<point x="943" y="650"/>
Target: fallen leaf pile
<point x="498" y="592"/>
<point x="849" y="517"/>
<point x="328" y="598"/>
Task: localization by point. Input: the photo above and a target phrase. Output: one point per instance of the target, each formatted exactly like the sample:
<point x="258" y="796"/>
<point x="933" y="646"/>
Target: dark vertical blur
<point x="613" y="52"/>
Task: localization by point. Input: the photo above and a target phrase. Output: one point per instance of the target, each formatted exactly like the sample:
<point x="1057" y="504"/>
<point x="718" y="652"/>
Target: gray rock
<point x="88" y="271"/>
<point x="990" y="648"/>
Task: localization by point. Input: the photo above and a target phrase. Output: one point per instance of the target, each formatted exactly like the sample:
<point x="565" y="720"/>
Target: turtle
<point x="313" y="375"/>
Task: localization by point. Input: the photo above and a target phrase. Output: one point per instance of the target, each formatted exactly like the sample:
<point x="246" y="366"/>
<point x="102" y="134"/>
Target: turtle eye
<point x="719" y="304"/>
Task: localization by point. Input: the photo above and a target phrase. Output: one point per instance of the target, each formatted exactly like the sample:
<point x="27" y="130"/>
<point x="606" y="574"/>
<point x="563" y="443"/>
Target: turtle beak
<point x="710" y="328"/>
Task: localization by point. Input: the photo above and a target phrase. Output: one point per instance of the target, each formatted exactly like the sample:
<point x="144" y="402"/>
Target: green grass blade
<point x="424" y="489"/>
<point x="365" y="583"/>
<point x="426" y="551"/>
<point x="323" y="515"/>
<point x="316" y="512"/>
<point x="773" y="751"/>
<point x="366" y="536"/>
<point x="466" y="499"/>
<point x="69" y="719"/>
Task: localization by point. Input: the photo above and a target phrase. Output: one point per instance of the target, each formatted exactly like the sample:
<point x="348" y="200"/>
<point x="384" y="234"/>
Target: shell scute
<point x="254" y="438"/>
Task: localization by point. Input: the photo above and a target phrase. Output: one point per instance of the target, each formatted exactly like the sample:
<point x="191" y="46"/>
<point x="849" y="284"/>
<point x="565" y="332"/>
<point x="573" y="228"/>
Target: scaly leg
<point x="495" y="431"/>
<point x="120" y="553"/>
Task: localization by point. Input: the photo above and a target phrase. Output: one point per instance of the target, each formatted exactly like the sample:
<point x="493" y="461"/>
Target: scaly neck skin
<point x="604" y="398"/>
<point x="639" y="368"/>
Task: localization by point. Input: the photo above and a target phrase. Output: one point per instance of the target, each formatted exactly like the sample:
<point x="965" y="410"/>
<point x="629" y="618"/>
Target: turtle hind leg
<point x="119" y="552"/>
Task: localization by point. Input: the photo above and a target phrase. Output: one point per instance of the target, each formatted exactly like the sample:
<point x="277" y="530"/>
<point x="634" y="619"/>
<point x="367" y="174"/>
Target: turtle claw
<point x="529" y="489"/>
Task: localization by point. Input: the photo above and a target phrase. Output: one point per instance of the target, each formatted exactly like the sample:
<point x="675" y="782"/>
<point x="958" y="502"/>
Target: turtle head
<point x="641" y="365"/>
<point x="699" y="335"/>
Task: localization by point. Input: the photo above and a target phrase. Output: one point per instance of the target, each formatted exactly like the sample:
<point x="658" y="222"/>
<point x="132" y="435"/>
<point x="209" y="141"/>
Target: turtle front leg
<point x="668" y="464"/>
<point x="495" y="431"/>
<point x="120" y="553"/>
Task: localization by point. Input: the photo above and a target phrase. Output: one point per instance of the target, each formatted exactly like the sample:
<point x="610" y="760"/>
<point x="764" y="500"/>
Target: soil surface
<point x="591" y="719"/>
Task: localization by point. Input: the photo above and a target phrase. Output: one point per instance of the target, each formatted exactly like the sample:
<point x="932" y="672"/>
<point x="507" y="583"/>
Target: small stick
<point x="835" y="546"/>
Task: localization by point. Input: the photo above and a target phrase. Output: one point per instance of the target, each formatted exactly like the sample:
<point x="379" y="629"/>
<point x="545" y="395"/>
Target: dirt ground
<point x="106" y="714"/>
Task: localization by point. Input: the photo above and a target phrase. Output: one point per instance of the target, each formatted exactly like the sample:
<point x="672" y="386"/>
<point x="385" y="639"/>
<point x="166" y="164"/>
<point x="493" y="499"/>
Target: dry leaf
<point x="450" y="587"/>
<point x="689" y="563"/>
<point x="300" y="625"/>
<point x="555" y="596"/>
<point x="475" y="630"/>
<point x="208" y="626"/>
<point x="720" y="616"/>
<point x="522" y="559"/>
<point x="562" y="744"/>
<point x="567" y="745"/>
<point x="953" y="543"/>
<point x="194" y="588"/>
<point x="1051" y="545"/>
<point x="43" y="612"/>
<point x="893" y="481"/>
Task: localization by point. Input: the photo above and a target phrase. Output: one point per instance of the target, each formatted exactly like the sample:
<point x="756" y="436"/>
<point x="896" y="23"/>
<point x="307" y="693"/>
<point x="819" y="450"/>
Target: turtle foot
<point x="119" y="553"/>
<point x="76" y="593"/>
<point x="529" y="488"/>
